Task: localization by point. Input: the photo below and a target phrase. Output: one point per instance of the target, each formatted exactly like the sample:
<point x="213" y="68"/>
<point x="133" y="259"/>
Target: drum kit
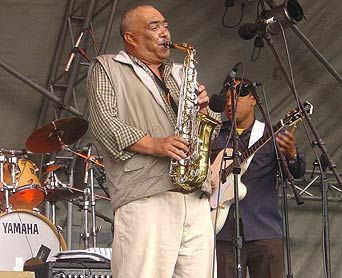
<point x="23" y="230"/>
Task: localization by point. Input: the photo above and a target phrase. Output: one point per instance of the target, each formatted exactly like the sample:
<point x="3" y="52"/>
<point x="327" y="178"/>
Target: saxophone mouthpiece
<point x="168" y="44"/>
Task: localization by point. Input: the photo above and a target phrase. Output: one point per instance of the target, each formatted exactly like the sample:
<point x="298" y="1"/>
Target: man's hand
<point x="172" y="146"/>
<point x="287" y="143"/>
<point x="203" y="99"/>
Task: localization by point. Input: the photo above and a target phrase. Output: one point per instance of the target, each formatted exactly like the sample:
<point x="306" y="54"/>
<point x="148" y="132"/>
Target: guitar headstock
<point x="295" y="115"/>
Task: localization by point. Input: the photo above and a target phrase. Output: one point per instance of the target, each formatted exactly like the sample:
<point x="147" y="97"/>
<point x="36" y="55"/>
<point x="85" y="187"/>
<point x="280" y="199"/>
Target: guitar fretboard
<point x="291" y="118"/>
<point x="262" y="141"/>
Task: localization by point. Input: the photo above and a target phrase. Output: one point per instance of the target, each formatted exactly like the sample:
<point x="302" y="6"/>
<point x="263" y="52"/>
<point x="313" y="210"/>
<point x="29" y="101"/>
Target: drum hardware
<point x="90" y="160"/>
<point x="11" y="152"/>
<point x="53" y="185"/>
<point x="52" y="168"/>
<point x="85" y="236"/>
<point x="89" y="176"/>
<point x="4" y="188"/>
<point x="57" y="136"/>
<point x="89" y="198"/>
<point x="57" y="190"/>
<point x="20" y="186"/>
<point x="89" y="192"/>
<point x="98" y="214"/>
<point x="25" y="190"/>
<point x="67" y="193"/>
<point x="54" y="136"/>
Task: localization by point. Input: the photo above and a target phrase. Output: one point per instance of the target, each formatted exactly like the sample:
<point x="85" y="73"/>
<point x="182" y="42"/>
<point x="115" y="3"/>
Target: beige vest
<point x="139" y="105"/>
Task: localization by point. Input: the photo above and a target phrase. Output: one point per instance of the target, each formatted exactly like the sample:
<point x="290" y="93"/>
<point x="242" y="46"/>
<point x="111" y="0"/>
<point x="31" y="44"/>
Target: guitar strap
<point x="256" y="134"/>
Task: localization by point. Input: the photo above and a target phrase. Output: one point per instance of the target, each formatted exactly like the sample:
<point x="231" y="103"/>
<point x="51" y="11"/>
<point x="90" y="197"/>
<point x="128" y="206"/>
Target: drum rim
<point x="59" y="235"/>
<point x="39" y="190"/>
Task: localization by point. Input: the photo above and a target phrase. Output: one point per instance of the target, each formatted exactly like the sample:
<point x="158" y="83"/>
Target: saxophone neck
<point x="183" y="46"/>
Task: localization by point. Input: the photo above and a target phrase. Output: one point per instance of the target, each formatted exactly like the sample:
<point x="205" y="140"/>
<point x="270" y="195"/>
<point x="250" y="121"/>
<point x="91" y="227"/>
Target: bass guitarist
<point x="260" y="219"/>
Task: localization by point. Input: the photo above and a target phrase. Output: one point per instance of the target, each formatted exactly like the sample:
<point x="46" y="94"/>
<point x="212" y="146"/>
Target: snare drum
<point x="22" y="232"/>
<point x="28" y="194"/>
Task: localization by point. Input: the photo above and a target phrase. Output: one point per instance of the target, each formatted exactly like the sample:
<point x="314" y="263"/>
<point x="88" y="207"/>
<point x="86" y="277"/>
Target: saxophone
<point x="196" y="128"/>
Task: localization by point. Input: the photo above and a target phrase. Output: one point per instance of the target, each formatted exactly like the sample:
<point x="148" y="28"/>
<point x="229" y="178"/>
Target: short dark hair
<point x="126" y="16"/>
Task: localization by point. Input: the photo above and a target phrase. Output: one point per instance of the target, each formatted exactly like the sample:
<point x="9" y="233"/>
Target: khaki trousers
<point x="168" y="235"/>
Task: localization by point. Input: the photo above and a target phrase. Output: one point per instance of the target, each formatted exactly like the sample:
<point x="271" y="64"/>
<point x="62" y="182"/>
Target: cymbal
<point x="68" y="193"/>
<point x="53" y="136"/>
<point x="57" y="194"/>
<point x="51" y="168"/>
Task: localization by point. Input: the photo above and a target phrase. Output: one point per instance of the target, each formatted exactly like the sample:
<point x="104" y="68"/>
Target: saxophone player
<point x="160" y="230"/>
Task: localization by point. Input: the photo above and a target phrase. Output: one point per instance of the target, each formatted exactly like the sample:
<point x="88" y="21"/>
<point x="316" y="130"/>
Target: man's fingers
<point x="180" y="143"/>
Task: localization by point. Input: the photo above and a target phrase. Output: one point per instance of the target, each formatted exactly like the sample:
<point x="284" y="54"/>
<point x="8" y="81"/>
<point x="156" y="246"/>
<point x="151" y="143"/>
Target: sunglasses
<point x="244" y="89"/>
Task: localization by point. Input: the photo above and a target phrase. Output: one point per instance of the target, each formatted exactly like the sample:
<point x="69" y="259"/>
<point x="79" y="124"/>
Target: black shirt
<point x="259" y="211"/>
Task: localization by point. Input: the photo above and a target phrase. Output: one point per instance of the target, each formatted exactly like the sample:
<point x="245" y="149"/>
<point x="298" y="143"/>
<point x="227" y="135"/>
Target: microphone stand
<point x="325" y="216"/>
<point x="236" y="170"/>
<point x="319" y="142"/>
<point x="306" y="41"/>
<point x="286" y="176"/>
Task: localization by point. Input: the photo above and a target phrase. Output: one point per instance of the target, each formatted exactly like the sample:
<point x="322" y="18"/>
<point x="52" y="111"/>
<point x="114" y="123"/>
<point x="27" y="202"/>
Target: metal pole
<point x="92" y="203"/>
<point x="108" y="27"/>
<point x="55" y="62"/>
<point x="74" y="70"/>
<point x="70" y="208"/>
<point x="39" y="89"/>
<point x="316" y="53"/>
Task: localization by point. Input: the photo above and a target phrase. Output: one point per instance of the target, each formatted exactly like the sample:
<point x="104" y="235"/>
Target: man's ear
<point x="129" y="38"/>
<point x="253" y="100"/>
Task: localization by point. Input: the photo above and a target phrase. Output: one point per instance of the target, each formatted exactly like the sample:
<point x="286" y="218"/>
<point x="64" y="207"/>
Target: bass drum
<point x="22" y="233"/>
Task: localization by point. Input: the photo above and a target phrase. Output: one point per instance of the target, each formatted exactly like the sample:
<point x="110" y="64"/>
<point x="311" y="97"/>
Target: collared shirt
<point x="259" y="211"/>
<point x="128" y="135"/>
<point x="170" y="84"/>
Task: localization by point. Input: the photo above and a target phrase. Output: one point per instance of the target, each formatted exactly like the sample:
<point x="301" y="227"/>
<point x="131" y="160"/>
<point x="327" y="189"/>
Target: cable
<point x="240" y="20"/>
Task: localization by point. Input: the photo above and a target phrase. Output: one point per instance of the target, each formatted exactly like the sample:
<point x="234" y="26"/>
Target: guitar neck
<point x="290" y="119"/>
<point x="262" y="141"/>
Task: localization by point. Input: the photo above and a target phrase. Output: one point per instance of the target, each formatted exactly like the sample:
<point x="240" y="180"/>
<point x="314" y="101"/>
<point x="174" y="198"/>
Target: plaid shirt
<point x="115" y="135"/>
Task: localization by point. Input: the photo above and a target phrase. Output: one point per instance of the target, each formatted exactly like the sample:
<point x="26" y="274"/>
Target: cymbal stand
<point x="94" y="229"/>
<point x="89" y="175"/>
<point x="53" y="183"/>
<point x="2" y="161"/>
<point x="86" y="235"/>
<point x="12" y="162"/>
<point x="89" y="171"/>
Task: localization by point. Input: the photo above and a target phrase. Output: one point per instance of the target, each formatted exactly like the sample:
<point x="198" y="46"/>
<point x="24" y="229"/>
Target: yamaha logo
<point x="20" y="228"/>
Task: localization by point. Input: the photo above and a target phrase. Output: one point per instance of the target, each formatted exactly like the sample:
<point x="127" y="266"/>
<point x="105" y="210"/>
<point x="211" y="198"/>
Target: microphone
<point x="217" y="102"/>
<point x="73" y="52"/>
<point x="248" y="31"/>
